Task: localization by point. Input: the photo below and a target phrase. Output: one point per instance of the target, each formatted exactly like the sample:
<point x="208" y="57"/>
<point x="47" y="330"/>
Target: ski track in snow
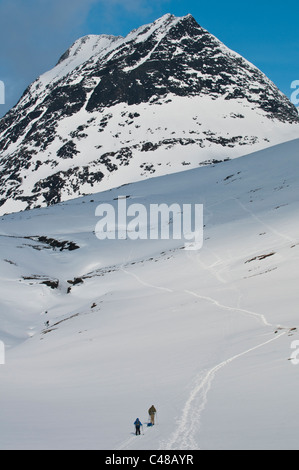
<point x="146" y="284"/>
<point x="232" y="309"/>
<point x="125" y="444"/>
<point x="269" y="227"/>
<point x="189" y="421"/>
<point x="183" y="438"/>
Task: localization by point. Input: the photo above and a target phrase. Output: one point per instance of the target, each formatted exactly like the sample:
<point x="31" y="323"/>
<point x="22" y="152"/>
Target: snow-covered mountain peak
<point x="89" y="46"/>
<point x="169" y="96"/>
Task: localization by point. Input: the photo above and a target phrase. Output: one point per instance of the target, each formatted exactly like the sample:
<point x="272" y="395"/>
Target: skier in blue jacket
<point x="138" y="425"/>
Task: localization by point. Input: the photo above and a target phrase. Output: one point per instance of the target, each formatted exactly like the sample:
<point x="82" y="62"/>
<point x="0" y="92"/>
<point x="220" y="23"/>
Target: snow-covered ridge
<point x="83" y="50"/>
<point x="94" y="47"/>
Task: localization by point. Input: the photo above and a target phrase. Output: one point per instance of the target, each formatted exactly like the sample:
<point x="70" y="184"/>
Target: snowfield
<point x="204" y="335"/>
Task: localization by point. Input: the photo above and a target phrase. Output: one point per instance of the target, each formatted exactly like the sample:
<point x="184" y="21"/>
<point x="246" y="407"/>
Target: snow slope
<point x="204" y="336"/>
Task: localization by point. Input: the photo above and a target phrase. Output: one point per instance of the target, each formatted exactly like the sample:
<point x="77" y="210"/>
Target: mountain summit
<point x="167" y="97"/>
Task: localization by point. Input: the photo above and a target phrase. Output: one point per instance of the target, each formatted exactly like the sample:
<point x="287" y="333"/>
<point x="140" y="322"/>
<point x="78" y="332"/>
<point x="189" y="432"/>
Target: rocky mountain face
<point x="166" y="98"/>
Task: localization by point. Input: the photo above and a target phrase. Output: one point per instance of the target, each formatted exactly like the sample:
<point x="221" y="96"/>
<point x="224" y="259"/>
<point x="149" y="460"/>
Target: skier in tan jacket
<point x="152" y="412"/>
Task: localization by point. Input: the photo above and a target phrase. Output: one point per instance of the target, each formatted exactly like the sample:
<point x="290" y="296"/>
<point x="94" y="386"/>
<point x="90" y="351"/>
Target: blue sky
<point x="35" y="33"/>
